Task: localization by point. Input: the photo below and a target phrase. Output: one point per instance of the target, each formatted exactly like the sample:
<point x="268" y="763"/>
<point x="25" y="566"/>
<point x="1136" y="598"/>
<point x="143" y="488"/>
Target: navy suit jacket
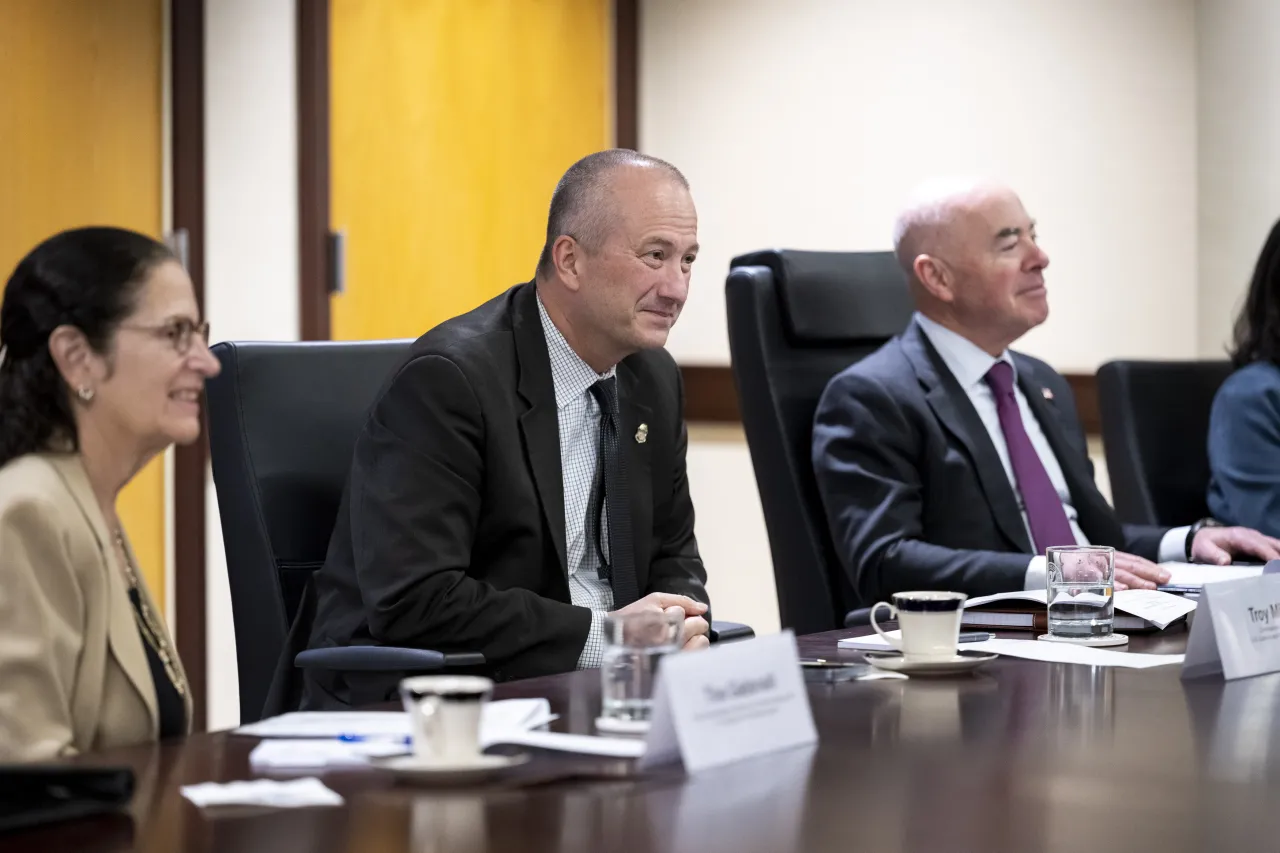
<point x="914" y="491"/>
<point x="1244" y="449"/>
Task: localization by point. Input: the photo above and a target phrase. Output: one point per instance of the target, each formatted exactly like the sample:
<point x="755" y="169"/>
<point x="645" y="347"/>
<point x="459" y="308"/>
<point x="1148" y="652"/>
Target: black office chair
<point x="1155" y="430"/>
<point x="283" y="421"/>
<point x="795" y="320"/>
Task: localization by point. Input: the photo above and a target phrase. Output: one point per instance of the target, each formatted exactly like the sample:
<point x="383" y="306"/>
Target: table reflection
<point x="1081" y="704"/>
<point x="923" y="710"/>
<point x="448" y="825"/>
<point x="1244" y="745"/>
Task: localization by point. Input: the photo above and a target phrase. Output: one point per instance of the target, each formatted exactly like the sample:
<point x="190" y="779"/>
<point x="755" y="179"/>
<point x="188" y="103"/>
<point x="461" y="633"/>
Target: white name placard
<point x="729" y="703"/>
<point x="1236" y="630"/>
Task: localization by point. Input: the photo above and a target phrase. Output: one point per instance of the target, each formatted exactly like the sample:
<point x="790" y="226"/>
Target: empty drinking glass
<point x="634" y="645"/>
<point x="1081" y="592"/>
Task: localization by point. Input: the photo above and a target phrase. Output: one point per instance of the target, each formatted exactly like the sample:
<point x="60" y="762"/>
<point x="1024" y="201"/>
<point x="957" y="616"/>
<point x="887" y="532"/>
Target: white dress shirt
<point x="969" y="364"/>
<point x="578" y="415"/>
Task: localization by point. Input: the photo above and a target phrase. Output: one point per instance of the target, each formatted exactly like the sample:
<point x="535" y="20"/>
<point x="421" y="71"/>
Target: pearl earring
<point x="85" y="393"/>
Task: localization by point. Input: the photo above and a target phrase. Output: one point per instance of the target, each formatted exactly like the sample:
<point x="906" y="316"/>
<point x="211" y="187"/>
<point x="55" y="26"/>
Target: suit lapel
<point x="635" y="453"/>
<point x="1092" y="513"/>
<point x="539" y="424"/>
<point x="122" y="627"/>
<point x="952" y="407"/>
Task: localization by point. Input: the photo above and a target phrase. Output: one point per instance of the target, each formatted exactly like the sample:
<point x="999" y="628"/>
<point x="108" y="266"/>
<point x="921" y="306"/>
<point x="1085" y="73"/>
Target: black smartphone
<point x="833" y="671"/>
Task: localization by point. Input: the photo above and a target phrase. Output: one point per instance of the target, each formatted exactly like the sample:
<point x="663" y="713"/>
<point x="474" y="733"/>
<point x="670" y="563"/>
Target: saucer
<point x="896" y="662"/>
<point x="477" y="768"/>
<point x="608" y="725"/>
<point x="1097" y="642"/>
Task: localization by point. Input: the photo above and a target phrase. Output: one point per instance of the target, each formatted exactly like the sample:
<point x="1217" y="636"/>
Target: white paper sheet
<point x="1068" y="653"/>
<point x="1158" y="608"/>
<point x="610" y="747"/>
<point x="330" y="724"/>
<point x="1197" y="574"/>
<point x="500" y="718"/>
<point x="1032" y="595"/>
<point x="263" y="792"/>
<point x="1037" y="650"/>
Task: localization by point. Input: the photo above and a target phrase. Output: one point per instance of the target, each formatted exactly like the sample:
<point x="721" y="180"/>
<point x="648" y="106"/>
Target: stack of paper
<point x="1148" y="605"/>
<point x="309" y="740"/>
<point x="313" y="753"/>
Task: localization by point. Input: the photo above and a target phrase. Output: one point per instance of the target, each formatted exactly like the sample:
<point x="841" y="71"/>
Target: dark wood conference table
<point x="1021" y="756"/>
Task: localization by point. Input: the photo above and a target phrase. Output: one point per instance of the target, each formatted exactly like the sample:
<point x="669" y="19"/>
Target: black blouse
<point x="173" y="711"/>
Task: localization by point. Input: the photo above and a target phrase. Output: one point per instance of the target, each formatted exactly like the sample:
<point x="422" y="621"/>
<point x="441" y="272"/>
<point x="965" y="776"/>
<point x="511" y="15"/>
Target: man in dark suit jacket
<point x="944" y="460"/>
<point x="523" y="472"/>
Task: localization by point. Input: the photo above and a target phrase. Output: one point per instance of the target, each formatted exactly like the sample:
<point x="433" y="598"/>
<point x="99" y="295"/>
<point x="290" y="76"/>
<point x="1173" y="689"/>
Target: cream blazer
<point x="73" y="670"/>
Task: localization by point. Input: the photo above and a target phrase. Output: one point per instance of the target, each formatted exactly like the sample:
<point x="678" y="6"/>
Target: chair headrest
<point x="836" y="297"/>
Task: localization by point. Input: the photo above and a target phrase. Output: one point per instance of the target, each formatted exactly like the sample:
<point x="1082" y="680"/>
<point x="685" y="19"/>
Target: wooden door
<point x="451" y="121"/>
<point x="81" y="89"/>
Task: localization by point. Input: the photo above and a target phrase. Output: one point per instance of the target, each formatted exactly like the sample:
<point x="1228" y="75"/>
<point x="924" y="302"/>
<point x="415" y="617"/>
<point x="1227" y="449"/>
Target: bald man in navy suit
<point x="947" y="461"/>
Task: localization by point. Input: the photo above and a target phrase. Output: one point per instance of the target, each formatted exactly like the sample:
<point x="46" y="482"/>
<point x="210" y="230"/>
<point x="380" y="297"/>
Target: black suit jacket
<point x="451" y="533"/>
<point x="915" y="494"/>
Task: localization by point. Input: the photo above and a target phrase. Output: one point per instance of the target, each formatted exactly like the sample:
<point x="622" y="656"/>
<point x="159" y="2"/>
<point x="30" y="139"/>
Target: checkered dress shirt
<point x="578" y="414"/>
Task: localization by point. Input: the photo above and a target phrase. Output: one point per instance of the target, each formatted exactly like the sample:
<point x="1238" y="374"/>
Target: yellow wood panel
<point x="451" y="122"/>
<point x="80" y="144"/>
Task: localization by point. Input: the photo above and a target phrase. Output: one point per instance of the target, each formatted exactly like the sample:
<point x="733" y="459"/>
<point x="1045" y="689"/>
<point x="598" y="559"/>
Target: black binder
<point x="37" y="794"/>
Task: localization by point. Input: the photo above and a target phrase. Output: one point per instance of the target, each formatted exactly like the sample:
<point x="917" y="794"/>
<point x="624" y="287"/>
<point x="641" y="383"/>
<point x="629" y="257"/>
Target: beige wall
<point x="251" y="209"/>
<point x="1239" y="119"/>
<point x="804" y="124"/>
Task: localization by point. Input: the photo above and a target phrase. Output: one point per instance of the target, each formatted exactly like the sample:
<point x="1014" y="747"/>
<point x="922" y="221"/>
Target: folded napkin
<point x="262" y="792"/>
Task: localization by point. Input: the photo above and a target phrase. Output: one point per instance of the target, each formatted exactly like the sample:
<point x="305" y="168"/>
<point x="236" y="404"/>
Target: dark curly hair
<point x="88" y="278"/>
<point x="1257" y="331"/>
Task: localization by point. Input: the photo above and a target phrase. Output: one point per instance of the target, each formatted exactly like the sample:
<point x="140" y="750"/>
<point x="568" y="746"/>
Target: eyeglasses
<point x="179" y="332"/>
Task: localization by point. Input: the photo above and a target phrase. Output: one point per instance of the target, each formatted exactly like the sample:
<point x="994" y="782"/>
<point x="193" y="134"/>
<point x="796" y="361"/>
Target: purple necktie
<point x="1045" y="515"/>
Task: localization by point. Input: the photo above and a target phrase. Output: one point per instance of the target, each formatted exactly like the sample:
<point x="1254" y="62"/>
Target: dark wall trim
<point x="626" y="73"/>
<point x="711" y="397"/>
<point x="1085" y="388"/>
<point x="313" y="169"/>
<point x="186" y="50"/>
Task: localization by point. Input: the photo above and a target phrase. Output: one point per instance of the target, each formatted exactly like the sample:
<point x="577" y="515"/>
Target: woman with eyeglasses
<point x="103" y="358"/>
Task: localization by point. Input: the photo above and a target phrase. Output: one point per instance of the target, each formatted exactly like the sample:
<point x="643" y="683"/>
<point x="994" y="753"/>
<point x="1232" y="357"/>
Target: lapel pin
<point x="642" y="434"/>
<point x="1048" y="395"/>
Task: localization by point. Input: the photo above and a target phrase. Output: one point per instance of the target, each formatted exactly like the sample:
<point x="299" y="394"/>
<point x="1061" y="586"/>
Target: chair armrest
<point x="384" y="659"/>
<point x="455" y="660"/>
<point x="860" y="618"/>
<point x="725" y="632"/>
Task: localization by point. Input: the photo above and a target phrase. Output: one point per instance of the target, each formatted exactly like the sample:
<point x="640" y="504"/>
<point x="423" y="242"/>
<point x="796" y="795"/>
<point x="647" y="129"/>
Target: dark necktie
<point x="613" y="497"/>
<point x="1045" y="513"/>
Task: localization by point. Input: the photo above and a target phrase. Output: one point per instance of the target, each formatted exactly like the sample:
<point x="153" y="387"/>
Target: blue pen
<point x="406" y="740"/>
<point x="1180" y="590"/>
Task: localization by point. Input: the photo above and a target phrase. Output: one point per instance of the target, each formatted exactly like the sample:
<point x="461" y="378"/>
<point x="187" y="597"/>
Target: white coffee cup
<point x="929" y="622"/>
<point x="444" y="714"/>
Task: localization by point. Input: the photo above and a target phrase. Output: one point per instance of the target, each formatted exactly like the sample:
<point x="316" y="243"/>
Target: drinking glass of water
<point x="634" y="645"/>
<point x="1081" y="588"/>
